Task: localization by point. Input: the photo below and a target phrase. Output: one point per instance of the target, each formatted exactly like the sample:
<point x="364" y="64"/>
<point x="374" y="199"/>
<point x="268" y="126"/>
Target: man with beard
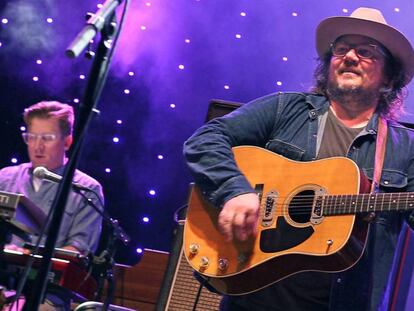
<point x="364" y="65"/>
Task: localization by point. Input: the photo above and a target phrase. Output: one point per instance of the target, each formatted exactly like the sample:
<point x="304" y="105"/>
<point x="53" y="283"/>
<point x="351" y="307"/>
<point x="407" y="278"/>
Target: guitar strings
<point x="297" y="205"/>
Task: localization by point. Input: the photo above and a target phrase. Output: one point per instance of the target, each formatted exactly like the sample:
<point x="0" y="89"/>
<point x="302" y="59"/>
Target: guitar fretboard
<point x="369" y="202"/>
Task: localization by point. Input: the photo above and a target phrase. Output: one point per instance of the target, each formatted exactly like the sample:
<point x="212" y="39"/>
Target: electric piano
<point x="20" y="216"/>
<point x="68" y="270"/>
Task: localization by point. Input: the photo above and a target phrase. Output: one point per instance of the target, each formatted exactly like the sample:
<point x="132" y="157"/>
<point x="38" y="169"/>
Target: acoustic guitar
<point x="314" y="216"/>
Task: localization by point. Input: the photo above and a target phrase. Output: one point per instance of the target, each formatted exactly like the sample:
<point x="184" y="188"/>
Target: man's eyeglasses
<point x="30" y="138"/>
<point x="364" y="51"/>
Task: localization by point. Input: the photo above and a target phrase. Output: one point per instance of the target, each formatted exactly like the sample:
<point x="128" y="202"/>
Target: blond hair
<point x="51" y="109"/>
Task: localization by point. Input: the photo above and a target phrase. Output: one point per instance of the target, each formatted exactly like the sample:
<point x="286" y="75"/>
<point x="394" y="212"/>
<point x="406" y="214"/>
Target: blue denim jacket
<point x="291" y="124"/>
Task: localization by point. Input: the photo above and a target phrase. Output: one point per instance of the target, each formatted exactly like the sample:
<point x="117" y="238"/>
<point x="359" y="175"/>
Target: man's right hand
<point x="238" y="218"/>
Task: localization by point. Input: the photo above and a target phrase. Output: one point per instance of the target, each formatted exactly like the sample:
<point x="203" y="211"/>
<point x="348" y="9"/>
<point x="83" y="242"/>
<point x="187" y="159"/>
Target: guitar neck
<point x="368" y="202"/>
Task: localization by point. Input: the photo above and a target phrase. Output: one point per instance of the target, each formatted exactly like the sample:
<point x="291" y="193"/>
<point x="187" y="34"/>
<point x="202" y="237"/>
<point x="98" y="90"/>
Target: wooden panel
<point x="138" y="287"/>
<point x="133" y="304"/>
<point x="142" y="282"/>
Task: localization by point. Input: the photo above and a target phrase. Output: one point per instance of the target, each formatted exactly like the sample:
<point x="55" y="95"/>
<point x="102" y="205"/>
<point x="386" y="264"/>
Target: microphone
<point x="94" y="24"/>
<point x="43" y="173"/>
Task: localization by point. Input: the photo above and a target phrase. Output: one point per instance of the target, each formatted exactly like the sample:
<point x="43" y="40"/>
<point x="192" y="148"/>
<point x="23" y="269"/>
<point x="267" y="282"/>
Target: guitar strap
<point x="379" y="153"/>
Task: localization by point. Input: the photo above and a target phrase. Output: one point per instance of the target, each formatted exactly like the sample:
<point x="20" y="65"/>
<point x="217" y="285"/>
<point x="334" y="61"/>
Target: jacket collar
<point x="321" y="103"/>
<point x="318" y="102"/>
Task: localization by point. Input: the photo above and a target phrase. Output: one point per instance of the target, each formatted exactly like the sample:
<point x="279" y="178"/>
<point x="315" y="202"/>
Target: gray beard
<point x="356" y="95"/>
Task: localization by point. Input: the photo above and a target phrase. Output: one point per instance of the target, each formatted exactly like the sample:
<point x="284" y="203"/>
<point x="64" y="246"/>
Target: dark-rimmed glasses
<point x="364" y="51"/>
<point x="30" y="138"/>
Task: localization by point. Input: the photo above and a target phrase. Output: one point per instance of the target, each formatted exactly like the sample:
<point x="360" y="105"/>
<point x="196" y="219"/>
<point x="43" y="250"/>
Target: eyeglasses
<point x="30" y="138"/>
<point x="364" y="51"/>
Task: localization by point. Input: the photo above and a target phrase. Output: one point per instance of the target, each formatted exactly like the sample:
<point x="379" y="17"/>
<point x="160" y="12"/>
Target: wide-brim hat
<point x="370" y="23"/>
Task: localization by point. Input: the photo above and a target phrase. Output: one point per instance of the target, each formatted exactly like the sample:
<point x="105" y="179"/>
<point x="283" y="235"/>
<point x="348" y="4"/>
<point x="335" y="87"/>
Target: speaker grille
<point x="185" y="290"/>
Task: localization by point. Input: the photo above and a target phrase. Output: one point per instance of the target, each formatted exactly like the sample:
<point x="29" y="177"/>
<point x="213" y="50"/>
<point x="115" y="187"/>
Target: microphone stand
<point x="103" y="21"/>
<point x="105" y="261"/>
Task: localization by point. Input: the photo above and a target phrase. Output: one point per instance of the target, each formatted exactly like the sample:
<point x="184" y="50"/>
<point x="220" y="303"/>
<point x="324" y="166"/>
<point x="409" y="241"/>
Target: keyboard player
<point x="49" y="127"/>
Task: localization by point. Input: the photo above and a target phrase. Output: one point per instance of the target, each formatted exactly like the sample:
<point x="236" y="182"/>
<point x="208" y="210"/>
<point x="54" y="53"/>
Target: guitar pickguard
<point x="283" y="237"/>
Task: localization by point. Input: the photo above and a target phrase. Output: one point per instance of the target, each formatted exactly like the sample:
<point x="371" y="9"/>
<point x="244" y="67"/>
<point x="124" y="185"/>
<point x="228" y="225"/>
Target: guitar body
<point x="292" y="235"/>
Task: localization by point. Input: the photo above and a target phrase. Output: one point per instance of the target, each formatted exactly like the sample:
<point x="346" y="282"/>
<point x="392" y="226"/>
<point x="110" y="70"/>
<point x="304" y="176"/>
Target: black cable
<point x="197" y="298"/>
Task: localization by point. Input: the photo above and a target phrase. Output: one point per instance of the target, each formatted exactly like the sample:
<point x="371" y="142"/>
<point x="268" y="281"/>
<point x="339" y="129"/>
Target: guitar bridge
<point x="269" y="208"/>
<point x="317" y="208"/>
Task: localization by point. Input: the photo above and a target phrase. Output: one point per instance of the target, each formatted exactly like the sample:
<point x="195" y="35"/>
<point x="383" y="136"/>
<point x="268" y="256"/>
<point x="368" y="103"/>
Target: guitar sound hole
<point x="300" y="207"/>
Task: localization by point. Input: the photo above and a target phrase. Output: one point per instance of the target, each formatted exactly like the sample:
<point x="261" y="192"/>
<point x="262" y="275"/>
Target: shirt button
<point x="338" y="280"/>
